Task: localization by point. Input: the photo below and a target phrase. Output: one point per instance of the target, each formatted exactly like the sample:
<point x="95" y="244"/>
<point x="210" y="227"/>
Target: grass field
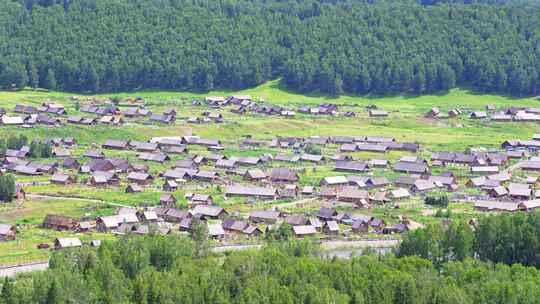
<point x="406" y="123"/>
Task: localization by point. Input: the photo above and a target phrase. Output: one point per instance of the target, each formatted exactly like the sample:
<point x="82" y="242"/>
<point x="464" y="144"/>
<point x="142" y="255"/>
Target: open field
<point x="406" y="123"/>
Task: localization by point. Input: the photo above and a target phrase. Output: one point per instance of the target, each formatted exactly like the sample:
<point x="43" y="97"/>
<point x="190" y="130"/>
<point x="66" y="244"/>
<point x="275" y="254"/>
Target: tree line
<point x="334" y="47"/>
<point x="38" y="149"/>
<point x="166" y="269"/>
<point x="505" y="238"/>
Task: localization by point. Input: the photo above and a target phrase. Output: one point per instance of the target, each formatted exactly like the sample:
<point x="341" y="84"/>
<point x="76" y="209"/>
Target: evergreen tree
<point x="49" y="81"/>
<point x="7" y="292"/>
<point x="53" y="294"/>
<point x="199" y="234"/>
<point x="419" y="83"/>
<point x="13" y="75"/>
<point x="33" y="75"/>
<point x="92" y="79"/>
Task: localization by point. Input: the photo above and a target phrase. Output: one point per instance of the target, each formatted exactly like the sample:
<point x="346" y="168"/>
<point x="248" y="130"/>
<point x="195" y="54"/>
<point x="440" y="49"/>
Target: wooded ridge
<point x="359" y="47"/>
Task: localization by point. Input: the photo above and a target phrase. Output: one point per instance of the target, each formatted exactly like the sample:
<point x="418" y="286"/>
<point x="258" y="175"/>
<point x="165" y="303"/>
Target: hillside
<point x="352" y="47"/>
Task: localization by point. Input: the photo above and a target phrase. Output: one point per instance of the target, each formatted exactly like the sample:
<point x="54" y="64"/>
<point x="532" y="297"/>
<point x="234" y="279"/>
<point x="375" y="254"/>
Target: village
<point x="243" y="189"/>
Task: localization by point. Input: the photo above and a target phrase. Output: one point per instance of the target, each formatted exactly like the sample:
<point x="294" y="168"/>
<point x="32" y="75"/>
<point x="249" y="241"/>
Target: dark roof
<point x="326" y="213"/>
<point x="351" y="166"/>
<point x="115" y="144"/>
<point x="411" y="167"/>
<point x="266" y="214"/>
<point x="251" y="191"/>
<point x="58" y="220"/>
<point x="296" y="220"/>
<point x="283" y="174"/>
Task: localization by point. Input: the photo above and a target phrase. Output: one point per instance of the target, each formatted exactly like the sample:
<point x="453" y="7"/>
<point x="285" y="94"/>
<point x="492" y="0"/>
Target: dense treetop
<point x="505" y="238"/>
<point x="168" y="270"/>
<point x="352" y="46"/>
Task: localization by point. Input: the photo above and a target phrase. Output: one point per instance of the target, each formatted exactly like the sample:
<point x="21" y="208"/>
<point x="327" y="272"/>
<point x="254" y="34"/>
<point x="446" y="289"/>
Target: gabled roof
<point x="327" y="213"/>
<point x="255" y="174"/>
<point x="12" y="120"/>
<point x="522" y="190"/>
<point x="496" y="205"/>
<point x="335" y="180"/>
<point x="287" y="158"/>
<point x="410" y="167"/>
<point x="178" y="173"/>
<point x="234" y="225"/>
<point x="144" y="146"/>
<point x="351" y="192"/>
<point x="139" y="176"/>
<point x="400" y="193"/>
<point x="377" y="181"/>
<point x="116" y="144"/>
<point x="58" y="220"/>
<point x="423" y="185"/>
<point x="157" y="157"/>
<point x="351" y="166"/>
<point x="206" y="210"/>
<point x="304" y="230"/>
<point x="215" y="230"/>
<point x="371" y="147"/>
<point x="250" y="191"/>
<point x="311" y="157"/>
<point x="265" y="214"/>
<point x="331" y="226"/>
<point x="59" y="177"/>
<point x="283" y="174"/>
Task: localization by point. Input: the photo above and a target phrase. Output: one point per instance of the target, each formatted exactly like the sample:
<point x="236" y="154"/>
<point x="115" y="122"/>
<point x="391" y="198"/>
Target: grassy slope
<point x="406" y="123"/>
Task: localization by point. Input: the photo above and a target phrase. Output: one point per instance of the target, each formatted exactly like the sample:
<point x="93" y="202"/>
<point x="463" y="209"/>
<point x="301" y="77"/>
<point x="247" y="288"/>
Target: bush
<point x="436" y="200"/>
<point x="313" y="149"/>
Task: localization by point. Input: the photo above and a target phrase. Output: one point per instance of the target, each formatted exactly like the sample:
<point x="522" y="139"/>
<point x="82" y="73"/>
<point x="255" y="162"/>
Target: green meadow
<point x="406" y="122"/>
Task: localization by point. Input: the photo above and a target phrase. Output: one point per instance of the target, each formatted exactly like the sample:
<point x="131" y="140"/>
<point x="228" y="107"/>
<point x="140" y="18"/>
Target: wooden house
<point x="167" y="200"/>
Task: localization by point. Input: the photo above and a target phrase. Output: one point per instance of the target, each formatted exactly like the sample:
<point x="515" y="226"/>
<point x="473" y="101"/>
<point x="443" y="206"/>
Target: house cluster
<point x="54" y="114"/>
<point x="519" y="114"/>
<point x="322" y="109"/>
<point x="435" y="112"/>
<point x="244" y="104"/>
<point x="219" y="101"/>
<point x="207" y="117"/>
<point x="110" y="114"/>
<point x="265" y="176"/>
<point x="17" y="160"/>
<point x="221" y="225"/>
<point x="27" y="115"/>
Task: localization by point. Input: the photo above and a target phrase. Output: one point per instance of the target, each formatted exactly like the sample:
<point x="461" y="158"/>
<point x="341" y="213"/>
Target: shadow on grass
<point x="279" y="84"/>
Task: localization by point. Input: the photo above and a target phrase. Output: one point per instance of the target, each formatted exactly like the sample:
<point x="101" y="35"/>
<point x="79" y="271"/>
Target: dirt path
<point x="11" y="271"/>
<point x="337" y="244"/>
<point x="79" y="199"/>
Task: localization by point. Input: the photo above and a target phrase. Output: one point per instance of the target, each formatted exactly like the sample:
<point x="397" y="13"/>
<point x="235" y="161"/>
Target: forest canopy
<point x="162" y="269"/>
<point x="504" y="238"/>
<point x="335" y="47"/>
